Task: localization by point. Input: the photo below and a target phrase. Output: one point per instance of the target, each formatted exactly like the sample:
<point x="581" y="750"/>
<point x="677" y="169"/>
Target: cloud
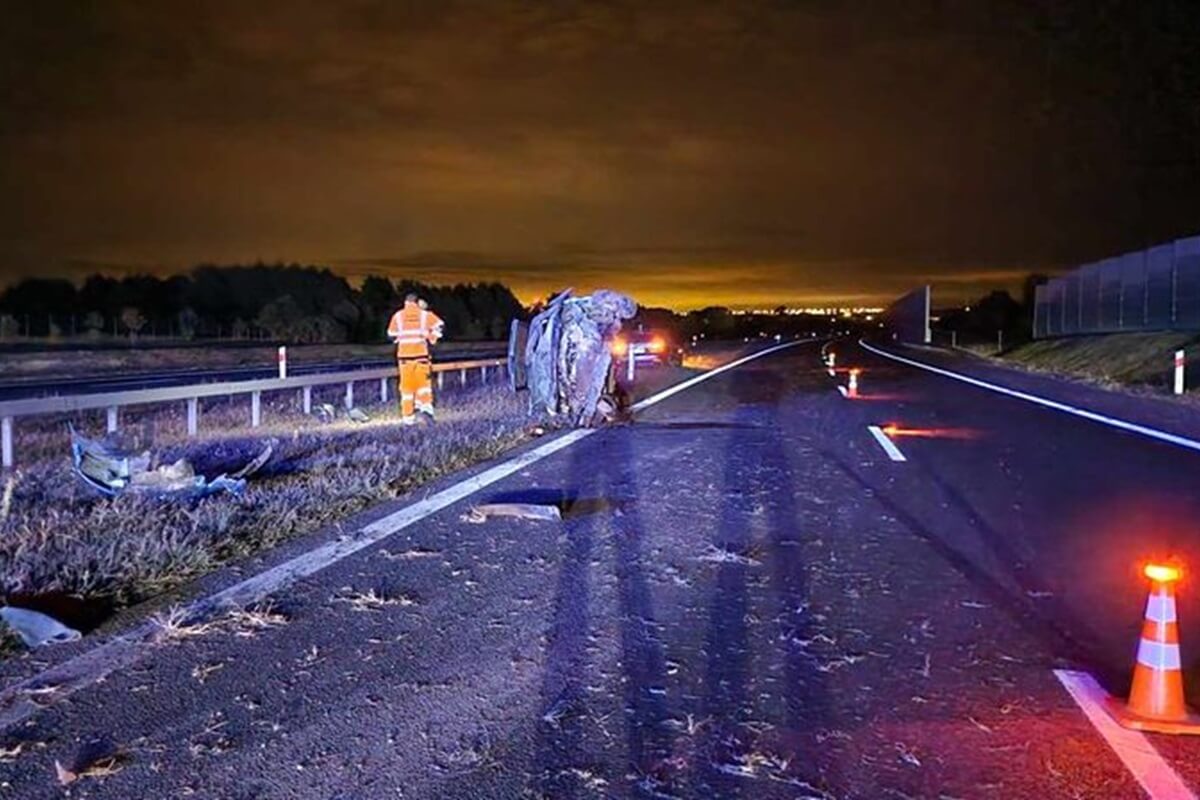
<point x="698" y="151"/>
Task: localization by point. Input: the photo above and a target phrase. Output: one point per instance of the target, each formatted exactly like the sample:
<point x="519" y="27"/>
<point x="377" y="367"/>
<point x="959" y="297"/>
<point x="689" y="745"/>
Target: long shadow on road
<point x="759" y="526"/>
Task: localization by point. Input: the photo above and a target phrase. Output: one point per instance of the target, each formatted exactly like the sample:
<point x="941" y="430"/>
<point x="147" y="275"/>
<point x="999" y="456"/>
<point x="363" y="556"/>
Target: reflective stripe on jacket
<point x="413" y="328"/>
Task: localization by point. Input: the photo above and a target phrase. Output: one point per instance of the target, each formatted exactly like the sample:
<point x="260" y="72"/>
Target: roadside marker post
<point x="6" y="443"/>
<point x="832" y="363"/>
<point x="281" y="357"/>
<point x="852" y="389"/>
<point x="1179" y="367"/>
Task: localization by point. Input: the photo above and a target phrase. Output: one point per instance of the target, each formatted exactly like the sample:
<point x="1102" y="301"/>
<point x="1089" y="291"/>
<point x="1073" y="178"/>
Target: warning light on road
<point x="892" y="430"/>
<point x="1162" y="573"/>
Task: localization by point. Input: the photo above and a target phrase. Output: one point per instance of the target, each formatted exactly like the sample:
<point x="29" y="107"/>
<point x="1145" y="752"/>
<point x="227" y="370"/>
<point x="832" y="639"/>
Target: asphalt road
<point x="93" y="384"/>
<point x="746" y="599"/>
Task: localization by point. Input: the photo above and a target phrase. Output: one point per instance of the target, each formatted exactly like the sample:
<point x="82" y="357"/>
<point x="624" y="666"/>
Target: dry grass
<point x="59" y="536"/>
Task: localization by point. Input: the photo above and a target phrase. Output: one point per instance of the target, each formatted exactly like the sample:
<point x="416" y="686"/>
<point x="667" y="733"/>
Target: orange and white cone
<point x="1156" y="700"/>
<point x="852" y="389"/>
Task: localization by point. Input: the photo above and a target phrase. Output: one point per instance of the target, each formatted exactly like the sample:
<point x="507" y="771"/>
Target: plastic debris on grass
<point x="111" y="472"/>
<point x="37" y="629"/>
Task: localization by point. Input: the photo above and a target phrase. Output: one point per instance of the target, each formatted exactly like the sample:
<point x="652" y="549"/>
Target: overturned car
<point x="563" y="357"/>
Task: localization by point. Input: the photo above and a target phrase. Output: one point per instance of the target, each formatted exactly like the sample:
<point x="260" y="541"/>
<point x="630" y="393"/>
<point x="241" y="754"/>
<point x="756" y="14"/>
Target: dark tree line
<point x="282" y="302"/>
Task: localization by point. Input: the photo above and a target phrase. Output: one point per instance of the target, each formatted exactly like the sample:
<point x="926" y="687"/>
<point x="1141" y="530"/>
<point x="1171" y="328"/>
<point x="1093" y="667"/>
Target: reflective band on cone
<point x="1156" y="697"/>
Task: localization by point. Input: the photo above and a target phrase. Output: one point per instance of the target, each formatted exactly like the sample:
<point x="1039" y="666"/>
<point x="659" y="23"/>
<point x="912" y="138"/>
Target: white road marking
<point x="712" y="373"/>
<point x="887" y="444"/>
<point x="842" y="391"/>
<point x="1120" y="424"/>
<point x="1133" y="748"/>
<point x="101" y="661"/>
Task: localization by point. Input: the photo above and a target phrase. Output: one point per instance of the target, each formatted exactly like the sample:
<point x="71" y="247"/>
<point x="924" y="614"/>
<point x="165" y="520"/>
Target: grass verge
<point x="1118" y="360"/>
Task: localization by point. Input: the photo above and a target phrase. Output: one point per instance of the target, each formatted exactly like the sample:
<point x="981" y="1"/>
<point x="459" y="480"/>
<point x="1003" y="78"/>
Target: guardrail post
<point x="349" y="395"/>
<point x="383" y="384"/>
<point x="255" y="409"/>
<point x="6" y="443"/>
<point x="462" y="377"/>
<point x="306" y="399"/>
<point x="193" y="416"/>
<point x="441" y="379"/>
<point x="483" y="371"/>
<point x="111" y="419"/>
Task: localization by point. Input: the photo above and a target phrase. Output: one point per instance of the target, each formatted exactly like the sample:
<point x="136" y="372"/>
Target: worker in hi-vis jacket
<point x="413" y="328"/>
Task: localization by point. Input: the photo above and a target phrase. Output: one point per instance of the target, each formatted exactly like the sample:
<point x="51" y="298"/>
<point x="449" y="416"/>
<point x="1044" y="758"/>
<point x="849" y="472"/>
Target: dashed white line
<point x="887" y="444"/>
<point x="1133" y="748"/>
<point x="1120" y="424"/>
<point x="94" y="665"/>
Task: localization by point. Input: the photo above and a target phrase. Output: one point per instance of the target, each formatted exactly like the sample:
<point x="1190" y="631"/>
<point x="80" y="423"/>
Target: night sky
<point x="749" y="153"/>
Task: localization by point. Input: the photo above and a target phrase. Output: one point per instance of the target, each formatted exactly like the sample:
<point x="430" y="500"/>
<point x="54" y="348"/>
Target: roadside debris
<point x="567" y="364"/>
<point x="37" y="629"/>
<point x="257" y="463"/>
<point x="480" y="514"/>
<point x="720" y="555"/>
<point x="111" y="472"/>
<point x="356" y="414"/>
<point x="99" y="767"/>
<point x="326" y="413"/>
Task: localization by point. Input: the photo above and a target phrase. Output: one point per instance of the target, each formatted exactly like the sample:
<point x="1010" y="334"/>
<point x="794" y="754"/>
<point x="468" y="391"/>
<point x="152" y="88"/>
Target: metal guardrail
<point x="11" y="410"/>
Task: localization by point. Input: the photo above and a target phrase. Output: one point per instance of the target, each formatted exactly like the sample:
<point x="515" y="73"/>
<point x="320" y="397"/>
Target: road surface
<point x="93" y="384"/>
<point x="747" y="598"/>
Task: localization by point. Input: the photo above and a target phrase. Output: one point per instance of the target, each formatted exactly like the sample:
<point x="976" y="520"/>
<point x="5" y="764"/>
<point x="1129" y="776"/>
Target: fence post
<point x="6" y="443"/>
<point x="193" y="416"/>
<point x="1179" y="367"/>
<point x="349" y="395"/>
<point x="111" y="419"/>
<point x="255" y="409"/>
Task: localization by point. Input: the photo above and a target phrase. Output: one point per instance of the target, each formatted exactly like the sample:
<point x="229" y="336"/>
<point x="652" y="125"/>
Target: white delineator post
<point x="6" y="442"/>
<point x="832" y="362"/>
<point x="1179" y="366"/>
<point x="631" y="359"/>
<point x="282" y="359"/>
<point x="852" y="389"/>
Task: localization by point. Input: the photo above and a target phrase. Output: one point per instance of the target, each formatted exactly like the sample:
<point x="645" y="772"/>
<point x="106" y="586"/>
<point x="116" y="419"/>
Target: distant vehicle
<point x="649" y="348"/>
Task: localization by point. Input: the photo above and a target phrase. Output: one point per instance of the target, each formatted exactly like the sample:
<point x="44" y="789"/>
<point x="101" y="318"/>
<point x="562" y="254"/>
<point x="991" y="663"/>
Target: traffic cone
<point x="1156" y="698"/>
<point x="852" y="389"/>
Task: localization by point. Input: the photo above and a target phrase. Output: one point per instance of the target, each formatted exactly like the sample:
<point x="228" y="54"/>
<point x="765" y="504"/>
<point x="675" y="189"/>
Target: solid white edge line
<point x="887" y="444"/>
<point x="842" y="391"/>
<point x="1136" y="752"/>
<point x="1120" y="424"/>
<point x="95" y="664"/>
<point x="712" y="373"/>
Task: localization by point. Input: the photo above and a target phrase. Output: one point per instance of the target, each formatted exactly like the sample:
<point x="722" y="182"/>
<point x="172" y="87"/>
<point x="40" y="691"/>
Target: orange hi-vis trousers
<point x="415" y="387"/>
